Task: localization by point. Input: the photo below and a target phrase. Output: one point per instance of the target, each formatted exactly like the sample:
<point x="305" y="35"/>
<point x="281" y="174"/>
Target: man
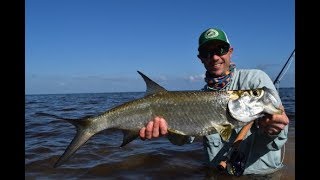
<point x="261" y="149"/>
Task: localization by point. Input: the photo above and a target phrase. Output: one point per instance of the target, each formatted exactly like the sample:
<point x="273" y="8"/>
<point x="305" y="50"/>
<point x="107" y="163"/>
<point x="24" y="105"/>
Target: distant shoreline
<point x="110" y="92"/>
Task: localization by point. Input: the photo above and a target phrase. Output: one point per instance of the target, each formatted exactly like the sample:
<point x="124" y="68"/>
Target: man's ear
<point x="231" y="51"/>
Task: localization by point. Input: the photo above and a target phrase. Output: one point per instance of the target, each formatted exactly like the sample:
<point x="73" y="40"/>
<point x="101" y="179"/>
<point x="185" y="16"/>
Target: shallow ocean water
<point x="101" y="157"/>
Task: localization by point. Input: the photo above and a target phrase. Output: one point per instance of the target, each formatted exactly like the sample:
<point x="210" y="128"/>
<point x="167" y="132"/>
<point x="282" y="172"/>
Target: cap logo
<point x="212" y="33"/>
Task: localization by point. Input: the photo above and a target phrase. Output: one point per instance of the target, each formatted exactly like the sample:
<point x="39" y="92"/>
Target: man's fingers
<point x="273" y="119"/>
<point x="142" y="133"/>
<point x="276" y="118"/>
<point x="163" y="127"/>
<point x="277" y="126"/>
<point x="149" y="129"/>
<point x="155" y="132"/>
<point x="154" y="128"/>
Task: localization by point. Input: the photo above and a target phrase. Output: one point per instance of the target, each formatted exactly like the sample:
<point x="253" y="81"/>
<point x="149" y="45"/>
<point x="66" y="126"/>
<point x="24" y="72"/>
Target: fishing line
<point x="276" y="82"/>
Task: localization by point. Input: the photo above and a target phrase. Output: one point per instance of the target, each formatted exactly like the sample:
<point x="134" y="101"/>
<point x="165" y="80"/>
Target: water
<point x="101" y="158"/>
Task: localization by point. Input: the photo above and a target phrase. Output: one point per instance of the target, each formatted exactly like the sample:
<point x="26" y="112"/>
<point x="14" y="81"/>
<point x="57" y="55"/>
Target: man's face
<point x="216" y="58"/>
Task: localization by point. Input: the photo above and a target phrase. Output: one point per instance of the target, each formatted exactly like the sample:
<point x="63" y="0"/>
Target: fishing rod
<point x="276" y="82"/>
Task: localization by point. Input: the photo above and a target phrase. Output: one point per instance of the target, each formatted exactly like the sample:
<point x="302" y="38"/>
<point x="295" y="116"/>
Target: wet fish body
<point x="188" y="113"/>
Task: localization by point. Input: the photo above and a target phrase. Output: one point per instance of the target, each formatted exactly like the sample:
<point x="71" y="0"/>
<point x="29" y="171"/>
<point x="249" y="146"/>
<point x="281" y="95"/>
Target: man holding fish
<point x="260" y="148"/>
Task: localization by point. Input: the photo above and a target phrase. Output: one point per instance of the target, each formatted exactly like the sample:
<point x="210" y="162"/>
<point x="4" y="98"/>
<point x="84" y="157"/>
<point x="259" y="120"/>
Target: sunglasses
<point x="219" y="51"/>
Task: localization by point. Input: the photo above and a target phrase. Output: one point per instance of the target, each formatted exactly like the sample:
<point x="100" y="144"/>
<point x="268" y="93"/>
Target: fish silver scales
<point x="188" y="112"/>
<point x="191" y="112"/>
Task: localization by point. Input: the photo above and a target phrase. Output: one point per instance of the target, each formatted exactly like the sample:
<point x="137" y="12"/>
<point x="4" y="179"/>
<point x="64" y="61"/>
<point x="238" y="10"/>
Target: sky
<point x="82" y="46"/>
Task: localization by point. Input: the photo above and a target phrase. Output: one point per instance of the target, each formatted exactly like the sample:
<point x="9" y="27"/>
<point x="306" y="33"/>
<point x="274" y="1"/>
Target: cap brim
<point x="210" y="41"/>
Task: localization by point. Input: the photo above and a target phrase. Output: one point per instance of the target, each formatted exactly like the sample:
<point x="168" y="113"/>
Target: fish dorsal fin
<point x="152" y="87"/>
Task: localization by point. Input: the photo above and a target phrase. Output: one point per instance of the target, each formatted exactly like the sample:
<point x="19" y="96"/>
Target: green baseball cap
<point x="212" y="34"/>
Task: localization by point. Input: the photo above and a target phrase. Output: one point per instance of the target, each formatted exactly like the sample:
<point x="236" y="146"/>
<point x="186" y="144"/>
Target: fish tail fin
<point x="82" y="136"/>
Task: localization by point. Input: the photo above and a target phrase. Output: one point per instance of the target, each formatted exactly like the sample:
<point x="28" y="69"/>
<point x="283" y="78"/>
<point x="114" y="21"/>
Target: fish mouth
<point x="272" y="109"/>
<point x="273" y="105"/>
<point x="271" y="97"/>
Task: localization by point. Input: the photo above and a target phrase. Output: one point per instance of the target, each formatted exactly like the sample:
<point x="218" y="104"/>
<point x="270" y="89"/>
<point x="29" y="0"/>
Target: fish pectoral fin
<point x="128" y="136"/>
<point x="225" y="130"/>
<point x="177" y="137"/>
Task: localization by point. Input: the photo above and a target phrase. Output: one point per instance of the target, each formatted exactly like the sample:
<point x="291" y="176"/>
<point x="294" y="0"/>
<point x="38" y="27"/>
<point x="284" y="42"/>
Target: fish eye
<point x="255" y="93"/>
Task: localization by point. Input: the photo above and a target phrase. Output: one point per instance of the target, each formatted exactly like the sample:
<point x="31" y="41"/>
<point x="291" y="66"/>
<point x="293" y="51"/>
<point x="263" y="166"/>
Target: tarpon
<point x="188" y="113"/>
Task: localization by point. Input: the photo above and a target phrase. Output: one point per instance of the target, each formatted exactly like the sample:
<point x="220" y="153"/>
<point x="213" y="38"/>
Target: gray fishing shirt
<point x="263" y="152"/>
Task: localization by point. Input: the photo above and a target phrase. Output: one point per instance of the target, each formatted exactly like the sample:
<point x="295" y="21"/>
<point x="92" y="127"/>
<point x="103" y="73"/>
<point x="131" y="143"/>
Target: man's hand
<point x="273" y="124"/>
<point x="155" y="128"/>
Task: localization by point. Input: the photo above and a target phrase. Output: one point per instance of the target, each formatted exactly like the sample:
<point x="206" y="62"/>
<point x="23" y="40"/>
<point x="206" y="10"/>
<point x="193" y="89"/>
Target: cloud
<point x="196" y="78"/>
